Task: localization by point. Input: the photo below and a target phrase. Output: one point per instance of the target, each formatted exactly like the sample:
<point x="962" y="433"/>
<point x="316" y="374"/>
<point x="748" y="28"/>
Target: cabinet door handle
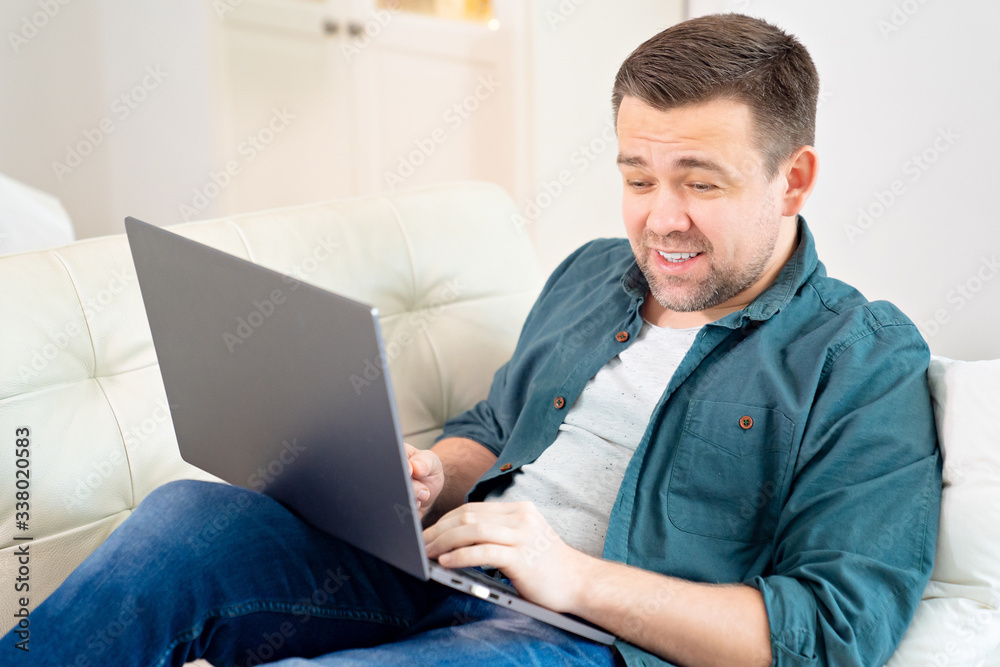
<point x="355" y="29"/>
<point x="331" y="27"/>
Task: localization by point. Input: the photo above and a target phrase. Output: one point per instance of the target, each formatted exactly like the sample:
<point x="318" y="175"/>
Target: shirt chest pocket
<point x="728" y="477"/>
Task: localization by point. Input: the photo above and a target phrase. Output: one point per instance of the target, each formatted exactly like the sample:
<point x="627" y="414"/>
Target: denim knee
<point x="199" y="515"/>
<point x="184" y="498"/>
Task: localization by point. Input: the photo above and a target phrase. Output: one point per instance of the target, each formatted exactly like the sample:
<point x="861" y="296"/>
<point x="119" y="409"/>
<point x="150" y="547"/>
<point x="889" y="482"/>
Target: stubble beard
<point x="723" y="282"/>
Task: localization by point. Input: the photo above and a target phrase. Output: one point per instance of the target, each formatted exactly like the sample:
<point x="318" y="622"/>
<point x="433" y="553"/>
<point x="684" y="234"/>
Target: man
<point x="696" y="444"/>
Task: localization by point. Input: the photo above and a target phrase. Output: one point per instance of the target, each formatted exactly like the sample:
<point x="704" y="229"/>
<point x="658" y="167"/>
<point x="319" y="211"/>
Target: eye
<point x="637" y="184"/>
<point x="702" y="187"/>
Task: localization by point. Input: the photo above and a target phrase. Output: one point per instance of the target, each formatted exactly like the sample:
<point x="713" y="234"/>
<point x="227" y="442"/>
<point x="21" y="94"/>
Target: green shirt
<point x="793" y="450"/>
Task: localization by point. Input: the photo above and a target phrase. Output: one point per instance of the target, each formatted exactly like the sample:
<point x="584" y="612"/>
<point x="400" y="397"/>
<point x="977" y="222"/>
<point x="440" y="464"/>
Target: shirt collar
<point x="792" y="276"/>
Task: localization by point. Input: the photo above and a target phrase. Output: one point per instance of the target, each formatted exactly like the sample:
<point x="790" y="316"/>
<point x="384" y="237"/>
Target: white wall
<point x="887" y="97"/>
<point x="156" y="55"/>
<point x="79" y="92"/>
<point x="577" y="50"/>
<point x="902" y="78"/>
<point x="52" y="87"/>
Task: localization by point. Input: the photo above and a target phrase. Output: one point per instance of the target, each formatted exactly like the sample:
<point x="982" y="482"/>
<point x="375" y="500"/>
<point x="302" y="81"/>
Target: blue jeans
<point x="212" y="571"/>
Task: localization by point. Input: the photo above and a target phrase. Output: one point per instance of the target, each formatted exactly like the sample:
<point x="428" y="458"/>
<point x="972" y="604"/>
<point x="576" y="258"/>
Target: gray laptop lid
<point x="241" y="352"/>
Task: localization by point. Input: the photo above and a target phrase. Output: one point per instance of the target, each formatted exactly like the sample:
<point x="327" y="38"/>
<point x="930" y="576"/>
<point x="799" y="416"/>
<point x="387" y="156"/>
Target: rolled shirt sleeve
<point x="826" y="499"/>
<point x="855" y="540"/>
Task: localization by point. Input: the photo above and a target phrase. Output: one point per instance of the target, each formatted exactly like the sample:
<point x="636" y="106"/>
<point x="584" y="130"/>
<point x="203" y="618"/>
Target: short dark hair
<point x="730" y="56"/>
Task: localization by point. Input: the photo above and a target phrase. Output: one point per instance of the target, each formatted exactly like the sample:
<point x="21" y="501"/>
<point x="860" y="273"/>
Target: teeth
<point x="677" y="256"/>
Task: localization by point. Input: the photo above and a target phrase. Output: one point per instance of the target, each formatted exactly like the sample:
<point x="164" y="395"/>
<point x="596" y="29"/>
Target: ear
<point x="800" y="172"/>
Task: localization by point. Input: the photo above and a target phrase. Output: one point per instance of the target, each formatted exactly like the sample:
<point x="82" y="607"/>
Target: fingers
<point x="476" y="556"/>
<point x="473" y="533"/>
<point x="424" y="463"/>
<point x="420" y="491"/>
<point x="507" y="524"/>
<point x="510" y="513"/>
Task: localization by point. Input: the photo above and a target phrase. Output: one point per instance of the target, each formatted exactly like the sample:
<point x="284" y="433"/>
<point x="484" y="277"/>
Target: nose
<point x="669" y="213"/>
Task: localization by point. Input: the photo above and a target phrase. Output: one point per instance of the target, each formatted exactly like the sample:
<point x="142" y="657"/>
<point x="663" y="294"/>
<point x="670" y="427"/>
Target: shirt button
<point x="505" y="467"/>
<point x="560" y="402"/>
<point x="746" y="422"/>
<point x="621" y="336"/>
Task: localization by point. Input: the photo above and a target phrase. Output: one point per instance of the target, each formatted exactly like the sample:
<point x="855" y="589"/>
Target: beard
<point x="725" y="279"/>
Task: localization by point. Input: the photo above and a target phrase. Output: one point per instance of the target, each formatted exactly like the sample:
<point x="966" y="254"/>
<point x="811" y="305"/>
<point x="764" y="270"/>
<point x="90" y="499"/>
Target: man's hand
<point x="428" y="476"/>
<point x="681" y="621"/>
<point x="517" y="539"/>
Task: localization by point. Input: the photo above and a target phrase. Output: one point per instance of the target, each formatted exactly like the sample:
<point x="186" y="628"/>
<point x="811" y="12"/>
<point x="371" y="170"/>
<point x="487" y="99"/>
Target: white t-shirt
<point x="575" y="481"/>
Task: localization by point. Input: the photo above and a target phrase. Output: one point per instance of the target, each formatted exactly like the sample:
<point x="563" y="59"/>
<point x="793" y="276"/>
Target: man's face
<point x="701" y="216"/>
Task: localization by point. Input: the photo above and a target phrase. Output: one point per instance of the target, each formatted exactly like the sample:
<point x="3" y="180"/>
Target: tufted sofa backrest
<point x="451" y="274"/>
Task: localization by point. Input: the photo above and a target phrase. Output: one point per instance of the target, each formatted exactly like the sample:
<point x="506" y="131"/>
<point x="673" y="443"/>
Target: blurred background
<point x="177" y="110"/>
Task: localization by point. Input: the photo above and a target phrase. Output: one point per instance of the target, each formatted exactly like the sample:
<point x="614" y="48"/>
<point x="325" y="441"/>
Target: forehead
<point x="720" y="129"/>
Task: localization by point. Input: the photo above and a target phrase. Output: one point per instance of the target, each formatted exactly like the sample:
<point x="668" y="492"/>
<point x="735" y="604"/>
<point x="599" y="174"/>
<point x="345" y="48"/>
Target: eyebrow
<point x="632" y="161"/>
<point x="698" y="163"/>
<point x="681" y="163"/>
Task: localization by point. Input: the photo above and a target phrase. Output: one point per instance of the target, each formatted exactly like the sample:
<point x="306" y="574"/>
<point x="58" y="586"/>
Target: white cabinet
<point x="283" y="107"/>
<point x="371" y="99"/>
<point x="385" y="99"/>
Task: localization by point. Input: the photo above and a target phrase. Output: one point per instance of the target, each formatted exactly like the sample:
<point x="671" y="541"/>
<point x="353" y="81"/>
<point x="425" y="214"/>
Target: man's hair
<point x="730" y="56"/>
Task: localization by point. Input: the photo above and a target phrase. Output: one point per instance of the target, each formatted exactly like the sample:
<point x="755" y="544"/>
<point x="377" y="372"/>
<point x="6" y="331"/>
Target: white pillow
<point x="30" y="219"/>
<point x="958" y="619"/>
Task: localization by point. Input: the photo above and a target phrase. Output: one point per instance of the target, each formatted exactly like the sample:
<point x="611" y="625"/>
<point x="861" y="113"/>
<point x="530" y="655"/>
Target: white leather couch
<point x="448" y="266"/>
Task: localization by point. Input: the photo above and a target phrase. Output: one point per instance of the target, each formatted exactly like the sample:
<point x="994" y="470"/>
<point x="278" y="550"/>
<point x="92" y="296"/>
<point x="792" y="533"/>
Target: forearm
<point x="464" y="462"/>
<point x="686" y="623"/>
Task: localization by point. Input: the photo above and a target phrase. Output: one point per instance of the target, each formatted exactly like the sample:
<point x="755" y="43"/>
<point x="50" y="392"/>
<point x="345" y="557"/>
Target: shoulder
<point x="605" y="252"/>
<point x="595" y="263"/>
<point x="851" y="321"/>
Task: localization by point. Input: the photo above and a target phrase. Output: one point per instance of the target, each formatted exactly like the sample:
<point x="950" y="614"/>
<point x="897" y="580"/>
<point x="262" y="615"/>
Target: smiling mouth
<point x="677" y="257"/>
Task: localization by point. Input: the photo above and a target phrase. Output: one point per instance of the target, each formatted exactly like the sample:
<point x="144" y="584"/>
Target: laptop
<point x="282" y="387"/>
